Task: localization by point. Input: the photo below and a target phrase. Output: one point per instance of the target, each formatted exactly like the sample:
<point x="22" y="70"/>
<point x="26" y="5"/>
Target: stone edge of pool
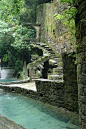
<point x="29" y="92"/>
<point x="16" y="82"/>
<point x="6" y="123"/>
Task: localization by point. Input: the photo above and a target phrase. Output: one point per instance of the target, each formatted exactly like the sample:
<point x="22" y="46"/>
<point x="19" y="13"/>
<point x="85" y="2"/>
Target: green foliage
<point x="59" y="17"/>
<point x="18" y="67"/>
<point x="20" y="34"/>
<point x="10" y="9"/>
<point x="10" y="53"/>
<point x="75" y="62"/>
<point x="68" y="1"/>
<point x="5" y="58"/>
<point x="67" y="18"/>
<point x="13" y="46"/>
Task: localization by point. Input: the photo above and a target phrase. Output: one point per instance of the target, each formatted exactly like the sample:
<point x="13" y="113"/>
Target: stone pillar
<point x="25" y="67"/>
<point x="81" y="60"/>
<point x="0" y="68"/>
<point x="37" y="31"/>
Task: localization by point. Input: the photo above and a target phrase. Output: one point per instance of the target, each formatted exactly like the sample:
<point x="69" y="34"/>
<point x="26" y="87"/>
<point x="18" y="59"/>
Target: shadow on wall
<point x="70" y="81"/>
<point x="45" y="70"/>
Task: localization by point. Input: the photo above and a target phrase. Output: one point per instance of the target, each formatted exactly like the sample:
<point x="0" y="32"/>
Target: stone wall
<point x="70" y="81"/>
<point x="81" y="59"/>
<point x="58" y="94"/>
<point x="48" y="91"/>
<point x="52" y="31"/>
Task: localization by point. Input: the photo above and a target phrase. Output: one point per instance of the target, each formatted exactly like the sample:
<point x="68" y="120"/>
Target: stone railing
<point x="34" y="44"/>
<point x="37" y="62"/>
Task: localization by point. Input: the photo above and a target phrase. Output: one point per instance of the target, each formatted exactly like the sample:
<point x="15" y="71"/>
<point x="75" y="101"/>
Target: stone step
<point x="43" y="45"/>
<point x="34" y="76"/>
<point x="52" y="52"/>
<point x="56" y="56"/>
<point x="46" y="46"/>
<point x="56" y="63"/>
<point x="59" y="64"/>
<point x="57" y="71"/>
<point x="55" y="77"/>
<point x="57" y="59"/>
<point x="39" y="43"/>
<point x="52" y="61"/>
<point x="59" y="68"/>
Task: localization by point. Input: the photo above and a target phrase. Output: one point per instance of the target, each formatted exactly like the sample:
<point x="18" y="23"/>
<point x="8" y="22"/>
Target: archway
<point x="35" y="27"/>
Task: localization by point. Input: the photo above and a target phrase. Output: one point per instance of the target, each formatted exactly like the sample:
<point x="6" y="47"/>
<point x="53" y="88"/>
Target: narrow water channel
<point x="31" y="114"/>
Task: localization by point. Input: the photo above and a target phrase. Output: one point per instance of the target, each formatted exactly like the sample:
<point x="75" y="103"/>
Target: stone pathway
<point x="29" y="85"/>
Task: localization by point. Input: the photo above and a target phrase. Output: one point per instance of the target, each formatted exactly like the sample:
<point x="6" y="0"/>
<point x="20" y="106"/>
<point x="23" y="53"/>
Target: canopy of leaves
<point x="13" y="49"/>
<point x="10" y="9"/>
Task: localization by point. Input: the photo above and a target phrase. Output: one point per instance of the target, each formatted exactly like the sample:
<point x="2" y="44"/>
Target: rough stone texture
<point x="47" y="91"/>
<point x="56" y="35"/>
<point x="58" y="94"/>
<point x="70" y="82"/>
<point x="50" y="92"/>
<point x="81" y="59"/>
<point x="53" y="32"/>
<point x="5" y="123"/>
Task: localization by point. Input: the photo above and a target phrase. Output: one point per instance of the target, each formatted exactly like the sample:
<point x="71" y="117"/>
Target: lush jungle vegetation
<point x="13" y="48"/>
<point x="13" y="13"/>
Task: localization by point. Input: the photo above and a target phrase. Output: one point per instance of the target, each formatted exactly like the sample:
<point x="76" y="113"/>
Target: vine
<point x="67" y="18"/>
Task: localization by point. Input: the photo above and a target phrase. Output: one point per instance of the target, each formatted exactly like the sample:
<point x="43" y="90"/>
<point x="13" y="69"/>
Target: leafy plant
<point x="67" y="17"/>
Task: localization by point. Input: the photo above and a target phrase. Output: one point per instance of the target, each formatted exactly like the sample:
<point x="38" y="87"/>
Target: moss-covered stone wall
<point x="45" y="16"/>
<point x="52" y="31"/>
<point x="70" y="81"/>
<point x="58" y="94"/>
<point x="48" y="91"/>
<point x="56" y="35"/>
<point x="81" y="59"/>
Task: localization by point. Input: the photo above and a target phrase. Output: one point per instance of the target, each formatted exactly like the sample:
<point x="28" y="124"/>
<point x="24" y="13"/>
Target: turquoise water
<point x="7" y="80"/>
<point x="30" y="113"/>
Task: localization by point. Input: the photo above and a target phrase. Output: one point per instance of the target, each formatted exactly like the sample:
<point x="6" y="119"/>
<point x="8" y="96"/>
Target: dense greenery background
<point x="13" y="13"/>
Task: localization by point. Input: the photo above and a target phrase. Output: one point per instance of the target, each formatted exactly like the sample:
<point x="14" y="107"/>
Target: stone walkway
<point x="29" y="85"/>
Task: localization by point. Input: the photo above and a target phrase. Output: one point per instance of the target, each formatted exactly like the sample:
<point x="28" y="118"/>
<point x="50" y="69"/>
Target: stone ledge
<point x="6" y="123"/>
<point x="47" y="80"/>
<point x="16" y="82"/>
